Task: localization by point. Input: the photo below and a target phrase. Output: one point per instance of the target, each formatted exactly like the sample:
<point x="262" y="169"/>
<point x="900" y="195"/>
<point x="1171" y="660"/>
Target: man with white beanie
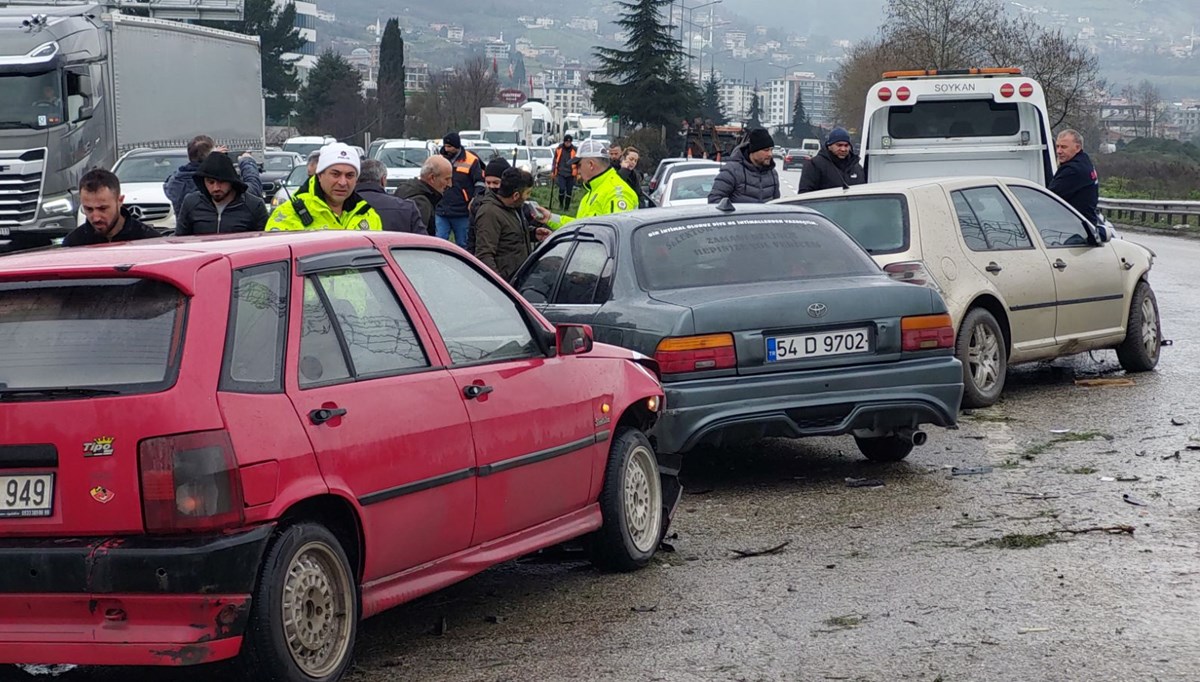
<point x="328" y="201"/>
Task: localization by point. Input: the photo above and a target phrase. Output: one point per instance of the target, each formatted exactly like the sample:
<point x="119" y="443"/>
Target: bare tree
<point x="861" y="69"/>
<point x="1149" y="100"/>
<point x="940" y="34"/>
<point x="453" y="99"/>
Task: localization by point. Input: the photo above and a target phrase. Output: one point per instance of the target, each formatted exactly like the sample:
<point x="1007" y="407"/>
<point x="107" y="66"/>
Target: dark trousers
<point x="566" y="185"/>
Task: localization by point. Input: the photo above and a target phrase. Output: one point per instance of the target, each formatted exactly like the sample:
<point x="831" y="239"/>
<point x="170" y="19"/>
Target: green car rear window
<point x="744" y="250"/>
<point x="879" y="223"/>
<point x="113" y="334"/>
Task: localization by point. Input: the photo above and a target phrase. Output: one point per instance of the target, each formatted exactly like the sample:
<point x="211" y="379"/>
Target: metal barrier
<point x="1151" y="211"/>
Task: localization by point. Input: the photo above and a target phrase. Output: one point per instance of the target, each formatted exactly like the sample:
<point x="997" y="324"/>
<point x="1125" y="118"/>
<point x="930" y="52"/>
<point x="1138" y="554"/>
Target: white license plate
<point x="840" y="342"/>
<point x="26" y="496"/>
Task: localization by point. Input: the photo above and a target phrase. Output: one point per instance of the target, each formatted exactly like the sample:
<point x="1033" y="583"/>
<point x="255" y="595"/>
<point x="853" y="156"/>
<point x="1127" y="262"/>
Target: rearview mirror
<point x="573" y="339"/>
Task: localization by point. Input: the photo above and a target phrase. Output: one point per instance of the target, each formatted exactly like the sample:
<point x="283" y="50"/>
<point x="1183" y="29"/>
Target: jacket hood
<point x="218" y="166"/>
<point x="742" y="156"/>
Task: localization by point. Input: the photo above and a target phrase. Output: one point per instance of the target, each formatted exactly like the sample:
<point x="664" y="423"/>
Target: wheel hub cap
<point x="315" y="625"/>
<point x="1149" y="328"/>
<point x="642" y="508"/>
<point x="983" y="356"/>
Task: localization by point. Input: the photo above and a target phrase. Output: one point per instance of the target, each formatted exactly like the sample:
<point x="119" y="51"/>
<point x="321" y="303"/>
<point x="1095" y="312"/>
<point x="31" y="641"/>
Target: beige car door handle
<point x="1060" y="264"/>
<point x="993" y="268"/>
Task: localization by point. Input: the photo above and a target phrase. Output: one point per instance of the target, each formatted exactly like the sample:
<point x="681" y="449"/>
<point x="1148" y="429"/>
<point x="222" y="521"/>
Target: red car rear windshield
<point x="744" y="250"/>
<point x="121" y="335"/>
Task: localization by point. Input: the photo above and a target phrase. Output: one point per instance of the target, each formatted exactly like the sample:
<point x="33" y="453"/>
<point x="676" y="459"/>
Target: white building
<point x="560" y="97"/>
<point x="496" y="49"/>
<point x="306" y="21"/>
<point x="737" y="97"/>
<point x="816" y="93"/>
<point x="584" y="24"/>
<point x="416" y="77"/>
<point x="455" y="34"/>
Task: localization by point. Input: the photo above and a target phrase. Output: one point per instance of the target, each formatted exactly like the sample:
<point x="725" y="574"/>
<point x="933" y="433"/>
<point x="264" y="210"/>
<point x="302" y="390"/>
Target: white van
<point x="922" y="124"/>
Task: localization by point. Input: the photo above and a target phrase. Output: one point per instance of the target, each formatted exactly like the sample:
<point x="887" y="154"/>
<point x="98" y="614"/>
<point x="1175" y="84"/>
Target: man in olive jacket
<point x="426" y="189"/>
<point x="502" y="233"/>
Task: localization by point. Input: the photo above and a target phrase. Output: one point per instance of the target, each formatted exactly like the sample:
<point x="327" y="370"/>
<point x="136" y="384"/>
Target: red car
<point x="241" y="446"/>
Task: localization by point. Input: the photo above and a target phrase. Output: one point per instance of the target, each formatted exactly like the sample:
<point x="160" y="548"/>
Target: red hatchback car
<point x="241" y="446"/>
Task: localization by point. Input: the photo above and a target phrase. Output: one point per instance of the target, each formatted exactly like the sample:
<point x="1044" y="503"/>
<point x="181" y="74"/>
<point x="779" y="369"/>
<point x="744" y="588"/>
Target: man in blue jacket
<point x="1076" y="180"/>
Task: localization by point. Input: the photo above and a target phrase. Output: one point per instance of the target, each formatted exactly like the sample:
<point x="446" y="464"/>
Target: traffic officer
<point x="328" y="201"/>
<point x="605" y="191"/>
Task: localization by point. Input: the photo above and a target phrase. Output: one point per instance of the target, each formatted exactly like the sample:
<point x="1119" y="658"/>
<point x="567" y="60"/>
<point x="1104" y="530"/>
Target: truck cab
<point x="920" y="124"/>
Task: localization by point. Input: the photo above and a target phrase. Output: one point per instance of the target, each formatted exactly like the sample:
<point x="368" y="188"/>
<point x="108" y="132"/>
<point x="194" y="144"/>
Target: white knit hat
<point x="337" y="153"/>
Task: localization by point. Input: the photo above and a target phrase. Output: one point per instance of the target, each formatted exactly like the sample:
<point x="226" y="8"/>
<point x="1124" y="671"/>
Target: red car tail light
<point x="695" y="353"/>
<point x="926" y="332"/>
<point x="190" y="482"/>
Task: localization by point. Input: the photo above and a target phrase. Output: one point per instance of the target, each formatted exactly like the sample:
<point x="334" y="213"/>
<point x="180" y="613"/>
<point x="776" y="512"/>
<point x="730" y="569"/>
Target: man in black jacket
<point x="834" y="166"/>
<point x="107" y="220"/>
<point x="1076" y="180"/>
<point x="398" y="215"/>
<point x="426" y="189"/>
<point x="467" y="180"/>
<point x="222" y="202"/>
<point x="749" y="176"/>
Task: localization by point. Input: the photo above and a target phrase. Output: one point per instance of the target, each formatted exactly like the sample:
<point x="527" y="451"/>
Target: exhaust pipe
<point x="914" y="436"/>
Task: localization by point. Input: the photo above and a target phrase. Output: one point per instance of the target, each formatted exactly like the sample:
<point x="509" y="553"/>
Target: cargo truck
<point x="503" y="125"/>
<point x="83" y="84"/>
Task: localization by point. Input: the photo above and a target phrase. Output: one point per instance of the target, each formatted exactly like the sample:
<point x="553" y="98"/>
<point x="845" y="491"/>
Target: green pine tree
<point x="754" y="116"/>
<point x="278" y="35"/>
<point x="331" y="102"/>
<point x="710" y="108"/>
<point x="644" y="83"/>
<point x="391" y="95"/>
<point x="801" y="127"/>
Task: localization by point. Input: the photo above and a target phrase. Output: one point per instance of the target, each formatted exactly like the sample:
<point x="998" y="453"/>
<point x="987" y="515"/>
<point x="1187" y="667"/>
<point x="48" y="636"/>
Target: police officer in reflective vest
<point x="606" y="191"/>
<point x="329" y="201"/>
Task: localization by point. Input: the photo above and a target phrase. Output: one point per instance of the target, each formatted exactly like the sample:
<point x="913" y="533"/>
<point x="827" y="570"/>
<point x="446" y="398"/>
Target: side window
<point x="374" y="327"/>
<point x="321" y="357"/>
<point x="254" y="341"/>
<point x="537" y="283"/>
<point x="367" y="335"/>
<point x="988" y="221"/>
<point x="1055" y="222"/>
<point x="583" y="272"/>
<point x="476" y="319"/>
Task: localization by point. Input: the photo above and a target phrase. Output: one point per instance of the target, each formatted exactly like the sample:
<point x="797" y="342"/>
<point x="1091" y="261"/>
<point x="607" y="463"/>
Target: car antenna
<point x="725" y="206"/>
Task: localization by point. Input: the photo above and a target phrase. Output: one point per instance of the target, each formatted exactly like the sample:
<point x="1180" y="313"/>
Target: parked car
<point x="276" y="168"/>
<point x="665" y="172"/>
<point x="483" y="149"/>
<point x="295" y="180"/>
<point x="273" y="436"/>
<point x="1025" y="277"/>
<point x="795" y="158"/>
<point x="142" y="173"/>
<point x="764" y="320"/>
<point x="662" y="168"/>
<point x="306" y="144"/>
<point x="687" y="187"/>
<point x="403" y="159"/>
<point x="544" y="157"/>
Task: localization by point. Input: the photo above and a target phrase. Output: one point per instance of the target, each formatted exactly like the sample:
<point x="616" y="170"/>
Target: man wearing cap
<point x="328" y="201"/>
<point x="605" y="193"/>
<point x="748" y="177"/>
<point x="221" y="202"/>
<point x="563" y="171"/>
<point x="491" y="179"/>
<point x="467" y="181"/>
<point x="834" y="166"/>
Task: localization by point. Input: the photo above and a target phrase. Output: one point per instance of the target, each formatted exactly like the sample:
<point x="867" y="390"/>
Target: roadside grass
<point x="1022" y="541"/>
<point x="1032" y="451"/>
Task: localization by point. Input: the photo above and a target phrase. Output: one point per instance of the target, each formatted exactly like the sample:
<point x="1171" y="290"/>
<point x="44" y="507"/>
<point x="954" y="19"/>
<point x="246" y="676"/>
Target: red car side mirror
<point x="573" y="339"/>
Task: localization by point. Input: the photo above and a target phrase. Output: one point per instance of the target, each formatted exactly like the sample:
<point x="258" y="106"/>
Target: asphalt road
<point x="1004" y="575"/>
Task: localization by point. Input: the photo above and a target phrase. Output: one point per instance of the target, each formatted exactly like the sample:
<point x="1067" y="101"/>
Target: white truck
<point x="82" y="84"/>
<point x="921" y="124"/>
<point x="544" y="128"/>
<point x="505" y="125"/>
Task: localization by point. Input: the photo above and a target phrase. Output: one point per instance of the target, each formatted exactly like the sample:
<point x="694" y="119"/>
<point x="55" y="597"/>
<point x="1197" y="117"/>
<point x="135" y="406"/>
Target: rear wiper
<point x="14" y="394"/>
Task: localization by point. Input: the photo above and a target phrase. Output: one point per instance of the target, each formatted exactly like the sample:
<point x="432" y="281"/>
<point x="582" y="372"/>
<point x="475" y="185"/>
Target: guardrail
<point x="1151" y="211"/>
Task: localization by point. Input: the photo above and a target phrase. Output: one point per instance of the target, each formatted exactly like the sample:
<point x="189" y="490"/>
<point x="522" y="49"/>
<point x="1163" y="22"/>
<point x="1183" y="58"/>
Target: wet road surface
<point x="1075" y="557"/>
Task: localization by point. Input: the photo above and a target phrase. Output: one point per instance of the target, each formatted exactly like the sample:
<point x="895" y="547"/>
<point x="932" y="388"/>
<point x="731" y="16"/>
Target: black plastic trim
<point x="535" y="457"/>
<point x="415" y="487"/>
<point x="351" y="259"/>
<point x="28" y="456"/>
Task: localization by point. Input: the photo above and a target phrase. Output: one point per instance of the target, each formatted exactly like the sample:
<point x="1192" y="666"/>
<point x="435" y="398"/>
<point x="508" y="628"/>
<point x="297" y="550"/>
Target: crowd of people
<point x="484" y="208"/>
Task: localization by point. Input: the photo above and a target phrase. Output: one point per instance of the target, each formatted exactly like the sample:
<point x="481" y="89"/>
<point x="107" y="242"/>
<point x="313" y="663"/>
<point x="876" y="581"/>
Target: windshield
<point x="302" y="148"/>
<point x="502" y="136"/>
<point x="543" y="153"/>
<point x="403" y="157"/>
<point x="745" y="250"/>
<point x="298" y="176"/>
<point x="879" y="223"/>
<point x="149" y="168"/>
<point x="692" y="187"/>
<point x="954" y="118"/>
<point x="279" y="162"/>
<point x="31" y="100"/>
<point x="97" y="333"/>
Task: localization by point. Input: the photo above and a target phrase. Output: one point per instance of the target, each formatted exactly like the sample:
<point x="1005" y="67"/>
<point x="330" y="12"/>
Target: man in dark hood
<point x="179" y="184"/>
<point x="221" y="203"/>
<point x="749" y="176"/>
<point x="834" y="166"/>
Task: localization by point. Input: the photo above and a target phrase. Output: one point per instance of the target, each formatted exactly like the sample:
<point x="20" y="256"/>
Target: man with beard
<point x="222" y="203"/>
<point x="329" y="202"/>
<point x="833" y="167"/>
<point x="749" y="176"/>
<point x="467" y="181"/>
<point x="107" y="219"/>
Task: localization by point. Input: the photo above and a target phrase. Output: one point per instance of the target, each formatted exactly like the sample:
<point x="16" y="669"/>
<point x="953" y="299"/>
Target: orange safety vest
<point x="464" y="166"/>
<point x="558" y="155"/>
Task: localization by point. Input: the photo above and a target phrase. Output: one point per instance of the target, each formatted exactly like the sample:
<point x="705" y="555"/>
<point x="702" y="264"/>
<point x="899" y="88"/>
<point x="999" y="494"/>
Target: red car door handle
<point x="475" y="390"/>
<point x="324" y="414"/>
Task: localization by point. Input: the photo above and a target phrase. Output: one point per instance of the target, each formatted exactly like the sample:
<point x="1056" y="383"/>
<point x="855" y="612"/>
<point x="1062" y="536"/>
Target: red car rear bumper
<point x="111" y="629"/>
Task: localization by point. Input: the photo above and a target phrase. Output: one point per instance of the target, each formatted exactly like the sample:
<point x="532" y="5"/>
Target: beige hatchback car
<point x="1024" y="275"/>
